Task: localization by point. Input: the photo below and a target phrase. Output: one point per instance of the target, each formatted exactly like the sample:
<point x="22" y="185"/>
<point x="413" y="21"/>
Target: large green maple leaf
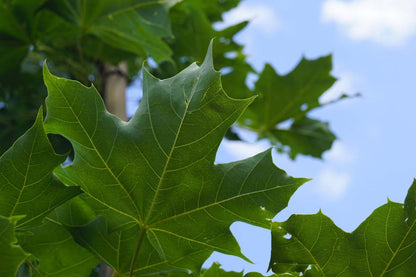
<point x="164" y="202"/>
<point x="383" y="245"/>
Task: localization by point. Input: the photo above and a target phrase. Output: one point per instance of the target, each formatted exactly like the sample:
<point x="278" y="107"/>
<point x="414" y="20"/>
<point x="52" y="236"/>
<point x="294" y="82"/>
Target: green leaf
<point x="383" y="245"/>
<point x="192" y="20"/>
<point x="15" y="19"/>
<point x="56" y="251"/>
<point x="11" y="254"/>
<point x="132" y="26"/>
<point x="27" y="184"/>
<point x="305" y="136"/>
<point x="69" y="258"/>
<point x="162" y="200"/>
<point x="291" y="97"/>
<point x="305" y="240"/>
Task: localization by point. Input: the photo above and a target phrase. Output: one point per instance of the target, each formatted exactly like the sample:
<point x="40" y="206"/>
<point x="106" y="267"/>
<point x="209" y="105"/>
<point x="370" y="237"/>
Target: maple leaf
<point x="291" y="97"/>
<point x="163" y="202"/>
<point x="383" y="245"/>
<point x="27" y="184"/>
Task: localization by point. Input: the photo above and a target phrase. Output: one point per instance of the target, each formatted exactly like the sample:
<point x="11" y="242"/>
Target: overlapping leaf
<point x="292" y="96"/>
<point x="27" y="184"/>
<point x="11" y="255"/>
<point x="383" y="245"/>
<point x="132" y="26"/>
<point x="305" y="136"/>
<point x="193" y="20"/>
<point x="164" y="203"/>
<point x="55" y="251"/>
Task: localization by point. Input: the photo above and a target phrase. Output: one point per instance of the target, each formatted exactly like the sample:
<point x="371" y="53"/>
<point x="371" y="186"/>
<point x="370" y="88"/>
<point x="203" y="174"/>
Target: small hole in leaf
<point x="304" y="107"/>
<point x="262" y="208"/>
<point x="230" y="55"/>
<point x="225" y="40"/>
<point x="287" y="236"/>
<point x="226" y="70"/>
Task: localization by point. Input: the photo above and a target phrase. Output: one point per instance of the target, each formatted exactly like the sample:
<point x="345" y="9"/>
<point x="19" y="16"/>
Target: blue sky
<point x="373" y="44"/>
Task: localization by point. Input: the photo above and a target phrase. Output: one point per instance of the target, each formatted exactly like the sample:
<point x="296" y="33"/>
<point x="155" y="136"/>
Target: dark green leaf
<point x="156" y="173"/>
<point x="11" y="255"/>
<point x="291" y="97"/>
<point x="68" y="258"/>
<point x="305" y="136"/>
<point x="132" y="26"/>
<point x="56" y="251"/>
<point x="27" y="184"/>
<point x="192" y="21"/>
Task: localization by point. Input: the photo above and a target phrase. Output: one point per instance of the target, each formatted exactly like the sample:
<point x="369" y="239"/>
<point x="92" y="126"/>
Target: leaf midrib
<point x="145" y="227"/>
<point x="169" y="156"/>
<point x="25" y="178"/>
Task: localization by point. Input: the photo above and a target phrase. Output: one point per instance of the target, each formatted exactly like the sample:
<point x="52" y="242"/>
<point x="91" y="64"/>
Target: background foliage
<point x="145" y="196"/>
<point x="79" y="37"/>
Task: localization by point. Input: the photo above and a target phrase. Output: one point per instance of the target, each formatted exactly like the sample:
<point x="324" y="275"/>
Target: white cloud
<point x="261" y="17"/>
<point x="389" y="22"/>
<point x="333" y="184"/>
<point x="340" y="154"/>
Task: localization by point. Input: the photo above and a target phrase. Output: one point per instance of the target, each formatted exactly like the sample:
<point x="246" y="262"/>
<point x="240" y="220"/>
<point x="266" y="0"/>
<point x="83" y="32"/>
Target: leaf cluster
<point x="79" y="38"/>
<point x="145" y="196"/>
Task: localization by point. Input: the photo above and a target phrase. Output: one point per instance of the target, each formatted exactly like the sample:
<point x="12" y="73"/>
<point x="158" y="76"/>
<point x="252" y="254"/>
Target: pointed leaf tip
<point x="208" y="61"/>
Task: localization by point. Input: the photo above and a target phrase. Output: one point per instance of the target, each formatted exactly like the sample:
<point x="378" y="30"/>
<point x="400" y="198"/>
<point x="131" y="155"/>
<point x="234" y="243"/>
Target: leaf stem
<point x="33" y="267"/>
<point x="136" y="252"/>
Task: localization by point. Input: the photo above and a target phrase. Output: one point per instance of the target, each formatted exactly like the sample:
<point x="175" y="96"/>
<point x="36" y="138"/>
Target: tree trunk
<point x="114" y="86"/>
